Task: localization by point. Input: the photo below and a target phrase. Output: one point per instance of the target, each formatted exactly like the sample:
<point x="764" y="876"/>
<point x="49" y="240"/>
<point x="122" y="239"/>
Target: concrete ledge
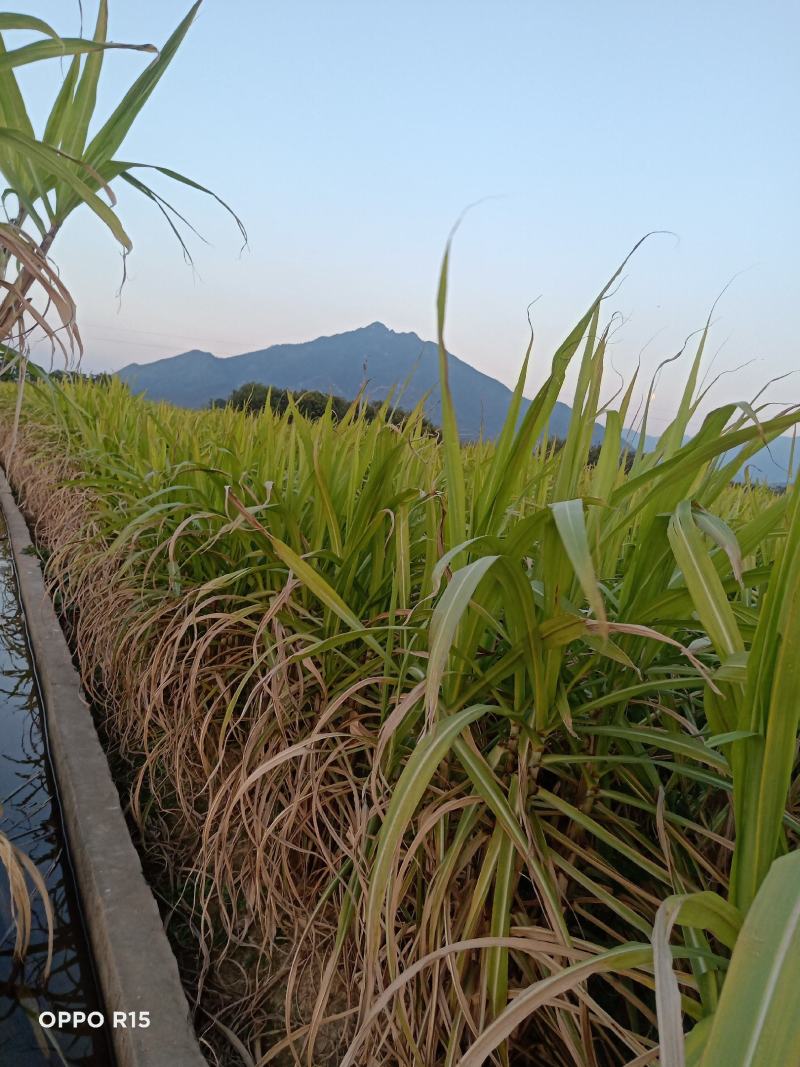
<point x="136" y="968"/>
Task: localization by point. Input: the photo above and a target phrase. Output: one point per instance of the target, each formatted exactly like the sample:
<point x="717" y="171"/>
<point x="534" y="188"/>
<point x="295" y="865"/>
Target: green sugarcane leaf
<point x="571" y="526"/>
<point x="111" y="135"/>
<point x="12" y="21"/>
<point x="445" y="621"/>
<point x="83" y="103"/>
<point x="757" y="1021"/>
<point x="703" y="582"/>
<point x="703" y="911"/>
<point x="409" y="788"/>
<point x="57" y="49"/>
<point x="54" y="162"/>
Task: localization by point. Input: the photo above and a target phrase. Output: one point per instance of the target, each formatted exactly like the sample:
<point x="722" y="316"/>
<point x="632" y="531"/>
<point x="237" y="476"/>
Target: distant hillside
<point x="769" y="465"/>
<point x="341" y="364"/>
<point x="772" y="465"/>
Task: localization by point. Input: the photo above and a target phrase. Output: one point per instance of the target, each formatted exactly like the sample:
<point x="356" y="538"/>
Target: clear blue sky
<point x="349" y="136"/>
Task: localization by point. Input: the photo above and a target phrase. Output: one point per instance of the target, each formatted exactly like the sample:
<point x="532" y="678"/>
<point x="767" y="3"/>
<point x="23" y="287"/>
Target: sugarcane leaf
<point x="757" y="1021"/>
<point x="56" y="49"/>
<point x="571" y="525"/>
<point x="112" y="133"/>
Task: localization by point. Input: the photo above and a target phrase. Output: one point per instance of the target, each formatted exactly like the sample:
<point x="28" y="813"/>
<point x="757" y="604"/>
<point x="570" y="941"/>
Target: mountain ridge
<point x="381" y="360"/>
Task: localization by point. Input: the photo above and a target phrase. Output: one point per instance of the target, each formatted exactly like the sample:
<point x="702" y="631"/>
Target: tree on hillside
<point x="254" y="397"/>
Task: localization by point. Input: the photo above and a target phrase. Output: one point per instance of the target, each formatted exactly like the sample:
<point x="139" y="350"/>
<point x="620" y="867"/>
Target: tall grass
<point x="445" y="748"/>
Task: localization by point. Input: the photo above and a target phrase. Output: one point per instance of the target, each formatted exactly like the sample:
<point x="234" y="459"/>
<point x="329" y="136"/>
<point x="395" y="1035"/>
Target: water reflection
<point x="30" y="819"/>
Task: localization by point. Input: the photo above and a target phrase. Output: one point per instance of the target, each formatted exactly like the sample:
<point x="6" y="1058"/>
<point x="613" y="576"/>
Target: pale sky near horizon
<point x="350" y="135"/>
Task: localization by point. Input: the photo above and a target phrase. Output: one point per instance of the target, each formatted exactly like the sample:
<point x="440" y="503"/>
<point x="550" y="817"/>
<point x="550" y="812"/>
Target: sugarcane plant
<point x="46" y="178"/>
<point x="741" y="947"/>
<point x="496" y="746"/>
<point x="69" y="166"/>
<point x="491" y="749"/>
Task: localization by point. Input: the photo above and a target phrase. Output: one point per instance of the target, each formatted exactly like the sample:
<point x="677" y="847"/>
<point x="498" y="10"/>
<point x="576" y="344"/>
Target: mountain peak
<point x="381" y="330"/>
<point x="383" y="362"/>
<point x="194" y="354"/>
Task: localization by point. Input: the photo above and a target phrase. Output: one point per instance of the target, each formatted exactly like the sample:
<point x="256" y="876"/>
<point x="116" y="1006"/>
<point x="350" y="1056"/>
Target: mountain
<point x="386" y="361"/>
<point x="771" y="464"/>
<point x="340" y="364"/>
<point x="775" y="464"/>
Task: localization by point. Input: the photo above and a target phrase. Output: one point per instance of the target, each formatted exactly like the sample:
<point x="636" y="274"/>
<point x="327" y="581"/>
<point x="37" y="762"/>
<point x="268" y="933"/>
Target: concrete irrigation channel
<point x="112" y="961"/>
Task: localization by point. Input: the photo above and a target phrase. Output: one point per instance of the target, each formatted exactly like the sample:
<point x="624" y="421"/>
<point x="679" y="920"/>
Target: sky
<point x="349" y="136"/>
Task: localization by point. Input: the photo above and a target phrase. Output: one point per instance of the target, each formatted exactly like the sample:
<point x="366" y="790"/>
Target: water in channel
<point x="30" y="818"/>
